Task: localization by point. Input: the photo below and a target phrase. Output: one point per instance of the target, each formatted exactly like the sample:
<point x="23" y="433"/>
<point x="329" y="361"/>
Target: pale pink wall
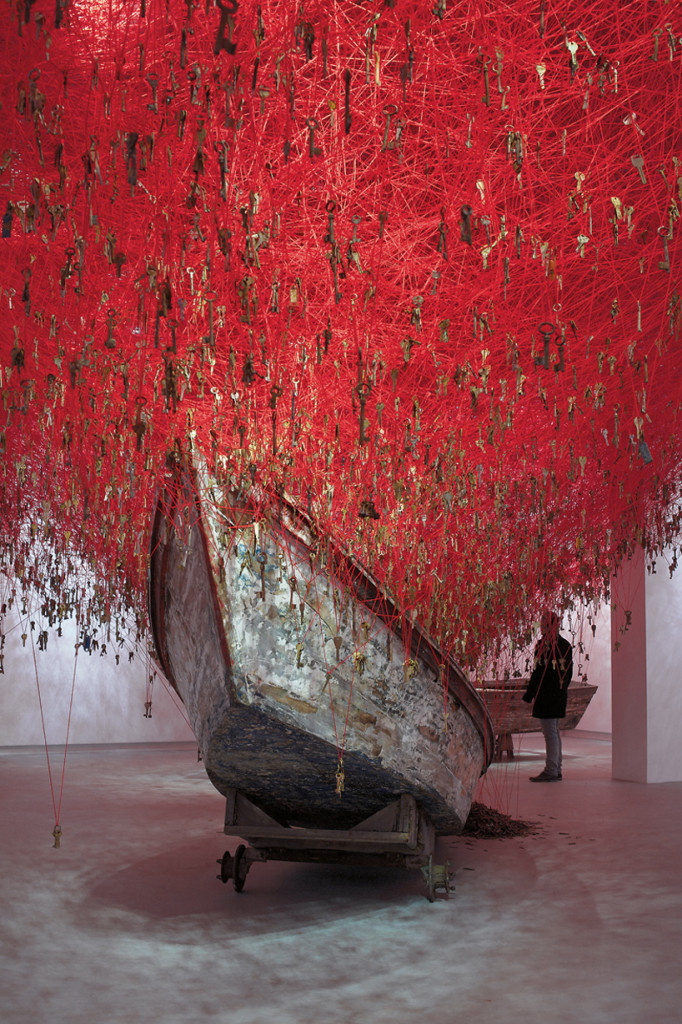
<point x="108" y="700"/>
<point x="629" y="671"/>
<point x="597" y="718"/>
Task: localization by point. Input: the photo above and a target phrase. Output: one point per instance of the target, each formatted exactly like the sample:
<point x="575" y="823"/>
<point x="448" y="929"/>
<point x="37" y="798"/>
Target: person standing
<point x="547" y="690"/>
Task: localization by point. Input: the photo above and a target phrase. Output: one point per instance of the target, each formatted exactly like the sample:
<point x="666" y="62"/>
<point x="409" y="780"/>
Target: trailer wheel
<point x="239" y="869"/>
<point x="226" y="867"/>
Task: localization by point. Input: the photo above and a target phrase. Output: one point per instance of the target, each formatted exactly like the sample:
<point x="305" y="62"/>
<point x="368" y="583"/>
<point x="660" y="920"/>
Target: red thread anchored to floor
<point x="56" y="801"/>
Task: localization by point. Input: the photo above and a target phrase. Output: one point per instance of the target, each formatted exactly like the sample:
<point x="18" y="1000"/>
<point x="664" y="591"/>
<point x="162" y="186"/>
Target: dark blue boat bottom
<point x="291" y="775"/>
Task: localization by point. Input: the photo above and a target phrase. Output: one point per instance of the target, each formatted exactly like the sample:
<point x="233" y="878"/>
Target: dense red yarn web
<point x="412" y="260"/>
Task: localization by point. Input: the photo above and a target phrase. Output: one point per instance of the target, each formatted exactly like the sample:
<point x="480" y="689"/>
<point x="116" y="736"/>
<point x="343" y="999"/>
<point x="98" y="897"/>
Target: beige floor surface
<point x="126" y="922"/>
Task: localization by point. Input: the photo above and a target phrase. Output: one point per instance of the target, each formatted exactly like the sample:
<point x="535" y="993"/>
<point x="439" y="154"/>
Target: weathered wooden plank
<point x="394" y="827"/>
<point x="322" y="839"/>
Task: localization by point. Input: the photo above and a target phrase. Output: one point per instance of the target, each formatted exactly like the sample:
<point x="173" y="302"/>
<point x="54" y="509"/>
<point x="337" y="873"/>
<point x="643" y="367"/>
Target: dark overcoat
<point x="548" y="685"/>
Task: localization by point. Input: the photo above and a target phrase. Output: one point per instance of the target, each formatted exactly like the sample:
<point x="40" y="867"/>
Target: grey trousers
<point x="550" y="730"/>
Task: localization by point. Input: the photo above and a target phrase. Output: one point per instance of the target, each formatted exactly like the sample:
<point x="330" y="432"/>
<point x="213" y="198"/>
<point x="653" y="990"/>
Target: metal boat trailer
<point x="401" y="834"/>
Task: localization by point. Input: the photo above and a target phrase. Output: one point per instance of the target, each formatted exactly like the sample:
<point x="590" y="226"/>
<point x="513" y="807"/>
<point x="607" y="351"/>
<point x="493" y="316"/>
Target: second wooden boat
<point x="512" y="715"/>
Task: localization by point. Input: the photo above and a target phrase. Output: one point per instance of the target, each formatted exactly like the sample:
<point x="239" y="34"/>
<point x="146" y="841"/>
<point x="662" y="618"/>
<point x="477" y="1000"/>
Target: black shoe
<point x="545" y="777"/>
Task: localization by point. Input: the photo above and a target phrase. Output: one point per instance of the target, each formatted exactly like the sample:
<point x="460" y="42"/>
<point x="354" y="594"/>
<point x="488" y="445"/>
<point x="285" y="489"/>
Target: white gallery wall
<point x="647" y="671"/>
<point x="88" y="694"/>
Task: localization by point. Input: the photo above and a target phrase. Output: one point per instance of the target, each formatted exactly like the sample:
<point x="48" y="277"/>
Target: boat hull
<point x="510" y="714"/>
<point x="302" y="686"/>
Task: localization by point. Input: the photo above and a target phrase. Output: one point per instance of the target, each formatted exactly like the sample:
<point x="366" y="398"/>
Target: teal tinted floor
<point x="580" y="921"/>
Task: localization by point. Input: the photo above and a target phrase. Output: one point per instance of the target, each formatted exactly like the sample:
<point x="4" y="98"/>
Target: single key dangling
<point x="340" y="778"/>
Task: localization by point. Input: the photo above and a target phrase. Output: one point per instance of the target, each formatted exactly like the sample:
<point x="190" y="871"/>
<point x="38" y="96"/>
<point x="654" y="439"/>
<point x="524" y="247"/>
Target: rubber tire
<point x="225" y="864"/>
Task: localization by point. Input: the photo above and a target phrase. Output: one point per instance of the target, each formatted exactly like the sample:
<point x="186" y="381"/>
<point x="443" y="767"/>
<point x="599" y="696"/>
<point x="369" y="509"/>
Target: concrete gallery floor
<point x="126" y="922"/>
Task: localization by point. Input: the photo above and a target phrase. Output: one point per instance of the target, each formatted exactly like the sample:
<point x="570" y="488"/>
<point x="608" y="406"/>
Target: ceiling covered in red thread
<point x="416" y="264"/>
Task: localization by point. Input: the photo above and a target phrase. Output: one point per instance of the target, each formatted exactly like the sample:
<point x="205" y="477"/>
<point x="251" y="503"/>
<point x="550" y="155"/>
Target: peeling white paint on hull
<point x="293" y="668"/>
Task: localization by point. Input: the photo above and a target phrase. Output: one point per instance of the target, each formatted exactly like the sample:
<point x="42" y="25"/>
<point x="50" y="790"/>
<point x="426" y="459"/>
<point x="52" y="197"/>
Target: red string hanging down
<point x="56" y="799"/>
<point x="420" y="261"/>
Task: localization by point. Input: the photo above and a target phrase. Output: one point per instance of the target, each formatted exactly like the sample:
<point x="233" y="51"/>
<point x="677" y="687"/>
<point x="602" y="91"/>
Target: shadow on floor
<point x="182" y="882"/>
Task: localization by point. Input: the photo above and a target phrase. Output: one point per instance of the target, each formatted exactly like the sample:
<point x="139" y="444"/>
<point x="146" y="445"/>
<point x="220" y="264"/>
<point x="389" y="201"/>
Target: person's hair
<point x="550" y="618"/>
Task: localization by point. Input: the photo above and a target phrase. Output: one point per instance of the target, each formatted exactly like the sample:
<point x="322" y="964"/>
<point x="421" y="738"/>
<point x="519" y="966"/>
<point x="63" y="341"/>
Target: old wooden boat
<point x="314" y="707"/>
<point x="512" y="715"/>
